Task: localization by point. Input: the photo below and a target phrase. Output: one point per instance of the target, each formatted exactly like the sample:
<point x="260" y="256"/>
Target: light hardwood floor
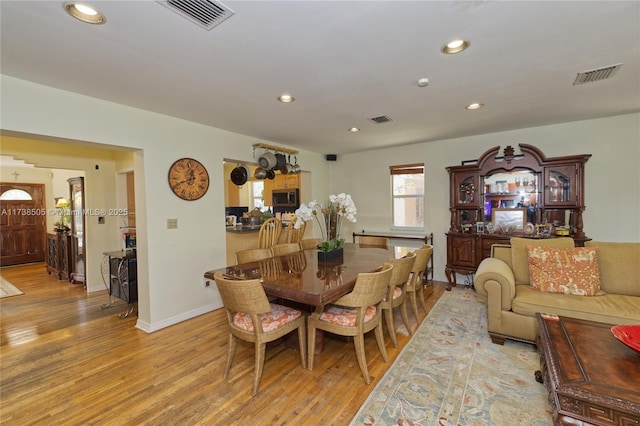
<point x="65" y="360"/>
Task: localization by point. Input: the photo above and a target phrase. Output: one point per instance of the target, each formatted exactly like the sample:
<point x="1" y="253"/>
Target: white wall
<point x="612" y="184"/>
<point x="171" y="263"/>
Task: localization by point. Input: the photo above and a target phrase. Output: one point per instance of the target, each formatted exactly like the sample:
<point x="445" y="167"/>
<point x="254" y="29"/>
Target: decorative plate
<point x="628" y="334"/>
<point x="529" y="228"/>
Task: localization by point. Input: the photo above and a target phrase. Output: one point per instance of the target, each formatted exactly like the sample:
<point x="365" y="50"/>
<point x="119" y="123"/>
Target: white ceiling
<point x="344" y="61"/>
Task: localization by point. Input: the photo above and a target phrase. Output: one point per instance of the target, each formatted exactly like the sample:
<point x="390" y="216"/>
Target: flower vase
<point x="324" y="256"/>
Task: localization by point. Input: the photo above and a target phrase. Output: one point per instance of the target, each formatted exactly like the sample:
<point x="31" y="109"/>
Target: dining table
<point x="301" y="278"/>
<point x="303" y="281"/>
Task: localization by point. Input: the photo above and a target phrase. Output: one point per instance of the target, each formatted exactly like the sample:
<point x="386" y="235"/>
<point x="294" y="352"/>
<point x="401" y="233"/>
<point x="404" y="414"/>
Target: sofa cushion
<point x="609" y="309"/>
<point x="519" y="258"/>
<point x="619" y="266"/>
<point x="565" y="270"/>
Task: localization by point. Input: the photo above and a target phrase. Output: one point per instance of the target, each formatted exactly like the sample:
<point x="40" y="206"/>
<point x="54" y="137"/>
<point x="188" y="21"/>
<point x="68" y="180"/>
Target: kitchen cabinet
<point x="281" y="181"/>
<point x="542" y="191"/>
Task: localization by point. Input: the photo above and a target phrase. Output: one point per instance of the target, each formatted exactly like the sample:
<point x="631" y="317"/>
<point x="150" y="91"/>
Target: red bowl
<point x="628" y="334"/>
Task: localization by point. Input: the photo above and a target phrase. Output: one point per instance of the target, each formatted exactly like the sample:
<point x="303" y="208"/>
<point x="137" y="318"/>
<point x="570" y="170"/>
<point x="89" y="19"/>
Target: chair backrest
<point x="369" y="289"/>
<point x="271" y="269"/>
<point x="294" y="235"/>
<point x="373" y="241"/>
<point x="401" y="270"/>
<point x="420" y="265"/>
<point x="252" y="255"/>
<point x="246" y="296"/>
<point x="285" y="248"/>
<point x="310" y="243"/>
<point x="269" y="233"/>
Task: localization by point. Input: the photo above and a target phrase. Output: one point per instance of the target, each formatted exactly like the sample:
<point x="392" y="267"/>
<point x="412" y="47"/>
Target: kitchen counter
<point x="243" y="229"/>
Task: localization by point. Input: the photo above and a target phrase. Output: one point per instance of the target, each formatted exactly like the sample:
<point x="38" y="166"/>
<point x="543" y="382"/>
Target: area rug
<point x="7" y="289"/>
<point x="451" y="374"/>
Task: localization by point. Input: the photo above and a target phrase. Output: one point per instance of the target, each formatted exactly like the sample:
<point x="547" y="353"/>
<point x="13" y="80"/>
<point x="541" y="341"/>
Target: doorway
<point x="23" y="223"/>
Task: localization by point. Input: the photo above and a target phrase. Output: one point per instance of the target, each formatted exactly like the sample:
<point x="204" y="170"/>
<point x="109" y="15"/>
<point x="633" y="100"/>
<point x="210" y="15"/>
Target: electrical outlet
<point x="172" y="223"/>
<point x="207" y="282"/>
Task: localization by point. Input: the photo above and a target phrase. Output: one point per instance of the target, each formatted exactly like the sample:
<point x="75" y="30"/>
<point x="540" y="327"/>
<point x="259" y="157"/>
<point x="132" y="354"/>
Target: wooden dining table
<point x="300" y="277"/>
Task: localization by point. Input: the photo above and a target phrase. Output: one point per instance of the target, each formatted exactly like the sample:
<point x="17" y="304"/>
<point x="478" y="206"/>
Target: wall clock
<point x="188" y="179"/>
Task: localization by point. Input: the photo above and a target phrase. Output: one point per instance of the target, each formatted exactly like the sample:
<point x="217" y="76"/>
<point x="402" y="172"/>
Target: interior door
<point x="22" y="223"/>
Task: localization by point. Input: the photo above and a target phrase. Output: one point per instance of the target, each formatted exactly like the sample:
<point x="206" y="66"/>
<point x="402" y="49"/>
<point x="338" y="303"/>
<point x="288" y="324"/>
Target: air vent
<point x="204" y="13"/>
<point x="597" y="74"/>
<point x="381" y="119"/>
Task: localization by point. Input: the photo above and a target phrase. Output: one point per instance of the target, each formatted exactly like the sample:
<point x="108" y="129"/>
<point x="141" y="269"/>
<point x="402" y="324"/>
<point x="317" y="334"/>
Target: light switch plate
<point x="172" y="223"/>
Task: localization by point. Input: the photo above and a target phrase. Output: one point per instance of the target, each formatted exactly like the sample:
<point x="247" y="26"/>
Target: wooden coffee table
<point x="592" y="378"/>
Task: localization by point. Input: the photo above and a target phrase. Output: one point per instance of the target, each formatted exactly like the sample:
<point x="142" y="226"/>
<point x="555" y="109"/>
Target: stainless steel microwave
<point x="285" y="198"/>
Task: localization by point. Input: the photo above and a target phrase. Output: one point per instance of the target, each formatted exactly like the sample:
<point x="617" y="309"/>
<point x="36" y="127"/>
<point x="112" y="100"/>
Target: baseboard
<point x="151" y="327"/>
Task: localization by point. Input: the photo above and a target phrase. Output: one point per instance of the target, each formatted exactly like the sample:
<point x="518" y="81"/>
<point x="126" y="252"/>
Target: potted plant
<point x="329" y="218"/>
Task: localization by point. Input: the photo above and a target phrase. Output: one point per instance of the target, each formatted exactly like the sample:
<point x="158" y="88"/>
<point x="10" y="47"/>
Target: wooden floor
<point x="66" y="360"/>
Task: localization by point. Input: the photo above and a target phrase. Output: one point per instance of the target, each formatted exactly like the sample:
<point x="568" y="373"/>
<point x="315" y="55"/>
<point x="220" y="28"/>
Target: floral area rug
<point x="451" y="374"/>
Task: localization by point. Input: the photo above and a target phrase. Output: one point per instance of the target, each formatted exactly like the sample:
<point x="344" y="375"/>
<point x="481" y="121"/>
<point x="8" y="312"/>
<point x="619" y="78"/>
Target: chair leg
<point x="311" y="344"/>
<point x="422" y="302"/>
<point x="358" y="342"/>
<point x="380" y="340"/>
<point x="230" y="353"/>
<point x="405" y="317"/>
<point x="414" y="305"/>
<point x="302" y="341"/>
<point x="259" y="365"/>
<point x="388" y="316"/>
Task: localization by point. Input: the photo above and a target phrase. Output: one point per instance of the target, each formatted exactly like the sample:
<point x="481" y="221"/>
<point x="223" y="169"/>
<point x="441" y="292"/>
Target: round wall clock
<point x="188" y="179"/>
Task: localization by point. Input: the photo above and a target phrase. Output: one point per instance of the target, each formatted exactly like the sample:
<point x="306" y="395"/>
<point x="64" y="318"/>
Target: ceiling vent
<point x="204" y="13"/>
<point x="381" y="119"/>
<point x="597" y="74"/>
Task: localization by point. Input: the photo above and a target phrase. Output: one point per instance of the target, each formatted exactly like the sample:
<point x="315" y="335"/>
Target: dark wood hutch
<point x="497" y="197"/>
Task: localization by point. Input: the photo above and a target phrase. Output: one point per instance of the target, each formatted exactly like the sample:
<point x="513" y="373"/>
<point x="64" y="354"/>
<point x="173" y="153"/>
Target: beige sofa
<point x="512" y="303"/>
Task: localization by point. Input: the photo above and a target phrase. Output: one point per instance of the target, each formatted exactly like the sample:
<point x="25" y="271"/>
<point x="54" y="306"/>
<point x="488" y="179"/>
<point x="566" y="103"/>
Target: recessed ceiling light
<point x="353" y="129"/>
<point x="474" y="106"/>
<point x="84" y="13"/>
<point x="285" y="99"/>
<point x="455" y="46"/>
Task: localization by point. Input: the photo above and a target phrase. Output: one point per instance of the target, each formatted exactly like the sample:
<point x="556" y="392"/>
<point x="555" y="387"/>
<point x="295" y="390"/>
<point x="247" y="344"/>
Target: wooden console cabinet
<point x="58" y="254"/>
<point x="529" y="189"/>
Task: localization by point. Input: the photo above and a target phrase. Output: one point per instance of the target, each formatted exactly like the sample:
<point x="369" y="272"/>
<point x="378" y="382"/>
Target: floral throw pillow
<point x="565" y="270"/>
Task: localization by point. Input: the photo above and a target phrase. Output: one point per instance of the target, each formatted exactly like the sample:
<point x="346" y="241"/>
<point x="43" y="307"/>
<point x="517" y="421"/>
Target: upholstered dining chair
<point x="294" y="235"/>
<point x="354" y="314"/>
<point x="252" y="318"/>
<point x="253" y="255"/>
<point x="310" y="243"/>
<point x="269" y="233"/>
<point x="396" y="296"/>
<point x="415" y="285"/>
<point x="372" y="241"/>
<point x="285" y="248"/>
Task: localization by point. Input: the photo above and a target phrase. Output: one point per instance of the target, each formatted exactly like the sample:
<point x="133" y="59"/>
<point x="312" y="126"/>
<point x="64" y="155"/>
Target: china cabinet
<point x="499" y="196"/>
<point x="77" y="238"/>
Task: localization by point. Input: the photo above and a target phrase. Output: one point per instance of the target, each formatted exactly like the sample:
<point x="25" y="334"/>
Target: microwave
<point x="285" y="198"/>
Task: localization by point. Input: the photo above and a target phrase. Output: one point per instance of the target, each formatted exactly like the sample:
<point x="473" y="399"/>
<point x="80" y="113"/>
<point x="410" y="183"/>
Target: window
<point x="257" y="194"/>
<point x="15" y="194"/>
<point x="407" y="196"/>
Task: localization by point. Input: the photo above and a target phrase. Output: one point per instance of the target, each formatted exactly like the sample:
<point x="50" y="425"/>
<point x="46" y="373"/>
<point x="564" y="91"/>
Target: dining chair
<point x="372" y="241"/>
<point x="310" y="243"/>
<point x="250" y="317"/>
<point x="269" y="233"/>
<point x="285" y="248"/>
<point x="252" y="255"/>
<point x="396" y="295"/>
<point x="415" y="284"/>
<point x="353" y="315"/>
<point x="294" y="235"/>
